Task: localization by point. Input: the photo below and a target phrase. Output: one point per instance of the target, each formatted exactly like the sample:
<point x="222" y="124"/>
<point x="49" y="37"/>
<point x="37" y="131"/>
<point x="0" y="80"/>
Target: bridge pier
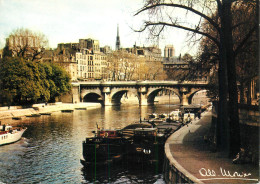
<point x="107" y="96"/>
<point x="142" y="95"/>
<point x="184" y="95"/>
<point x="143" y="99"/>
<point x="184" y="99"/>
<point x="75" y="93"/>
<point x="107" y="99"/>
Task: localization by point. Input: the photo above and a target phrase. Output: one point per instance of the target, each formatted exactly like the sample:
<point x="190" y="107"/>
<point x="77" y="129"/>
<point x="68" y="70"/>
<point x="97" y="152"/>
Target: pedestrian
<point x="199" y="112"/>
<point x="189" y="118"/>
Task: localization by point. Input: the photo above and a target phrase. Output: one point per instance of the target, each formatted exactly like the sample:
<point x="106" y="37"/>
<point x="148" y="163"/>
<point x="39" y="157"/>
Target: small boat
<point x="33" y="115"/>
<point x="9" y="134"/>
<point x="17" y="118"/>
<point x="157" y="119"/>
<point x="176" y="115"/>
<point x="46" y="113"/>
<point x="81" y="108"/>
<point x="163" y="116"/>
<point x="67" y="110"/>
<point x="152" y="116"/>
<point x="187" y="117"/>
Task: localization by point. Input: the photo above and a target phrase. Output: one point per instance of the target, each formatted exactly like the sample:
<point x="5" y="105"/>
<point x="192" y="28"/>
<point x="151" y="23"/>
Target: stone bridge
<point x="111" y="92"/>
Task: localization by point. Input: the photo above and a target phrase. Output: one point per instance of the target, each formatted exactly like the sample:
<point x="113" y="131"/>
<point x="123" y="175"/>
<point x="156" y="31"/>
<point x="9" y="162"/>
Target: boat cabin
<point x="152" y="116"/>
<point x="5" y="127"/>
<point x="191" y="109"/>
<point x="107" y="133"/>
<point x="142" y="134"/>
<point x="176" y="115"/>
<point x="188" y="117"/>
<point x="163" y="116"/>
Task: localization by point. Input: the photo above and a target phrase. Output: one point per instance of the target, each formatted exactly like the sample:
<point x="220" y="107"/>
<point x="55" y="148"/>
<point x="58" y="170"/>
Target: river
<point x="51" y="148"/>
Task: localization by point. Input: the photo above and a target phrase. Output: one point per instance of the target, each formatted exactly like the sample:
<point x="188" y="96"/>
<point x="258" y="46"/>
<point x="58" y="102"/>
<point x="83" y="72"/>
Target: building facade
<point x="90" y="62"/>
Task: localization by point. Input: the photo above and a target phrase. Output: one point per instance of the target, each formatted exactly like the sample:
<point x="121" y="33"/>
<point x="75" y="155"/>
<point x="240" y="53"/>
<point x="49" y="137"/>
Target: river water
<point x="51" y="148"/>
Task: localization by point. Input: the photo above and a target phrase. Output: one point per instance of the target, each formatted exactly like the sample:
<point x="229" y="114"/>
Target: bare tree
<point x="25" y="43"/>
<point x="163" y="14"/>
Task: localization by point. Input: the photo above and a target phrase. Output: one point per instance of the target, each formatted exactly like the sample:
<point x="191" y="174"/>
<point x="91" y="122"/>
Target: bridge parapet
<point x="138" y="83"/>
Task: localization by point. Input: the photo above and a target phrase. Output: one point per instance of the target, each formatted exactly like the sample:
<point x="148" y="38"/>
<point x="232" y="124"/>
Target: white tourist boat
<point x="9" y="134"/>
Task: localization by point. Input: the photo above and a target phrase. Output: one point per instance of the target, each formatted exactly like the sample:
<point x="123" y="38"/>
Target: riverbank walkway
<point x="188" y="152"/>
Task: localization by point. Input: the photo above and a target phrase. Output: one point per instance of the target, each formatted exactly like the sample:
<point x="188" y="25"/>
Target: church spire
<point x="117" y="39"/>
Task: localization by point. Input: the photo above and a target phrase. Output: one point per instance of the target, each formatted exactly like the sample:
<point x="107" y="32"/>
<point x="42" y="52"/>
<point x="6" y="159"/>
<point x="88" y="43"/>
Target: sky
<point x="65" y="21"/>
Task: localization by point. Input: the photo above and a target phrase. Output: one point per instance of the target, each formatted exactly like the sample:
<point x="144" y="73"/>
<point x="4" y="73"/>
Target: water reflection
<point x="124" y="172"/>
<point x="51" y="149"/>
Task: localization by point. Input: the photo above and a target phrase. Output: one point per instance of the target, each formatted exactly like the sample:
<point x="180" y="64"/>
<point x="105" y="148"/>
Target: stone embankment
<point x="18" y="111"/>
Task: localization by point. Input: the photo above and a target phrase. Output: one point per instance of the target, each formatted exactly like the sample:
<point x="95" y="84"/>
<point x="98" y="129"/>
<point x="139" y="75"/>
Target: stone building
<point x="66" y="59"/>
<point x="149" y="66"/>
<point x="152" y="53"/>
<point x="86" y="57"/>
<point x="173" y="66"/>
<point x="106" y="49"/>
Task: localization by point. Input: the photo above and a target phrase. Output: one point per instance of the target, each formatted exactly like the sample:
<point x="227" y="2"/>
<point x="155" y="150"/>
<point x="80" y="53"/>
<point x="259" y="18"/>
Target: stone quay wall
<point x="18" y="111"/>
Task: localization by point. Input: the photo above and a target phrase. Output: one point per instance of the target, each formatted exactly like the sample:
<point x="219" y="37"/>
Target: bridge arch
<point x="85" y="92"/>
<point x="192" y="95"/>
<point x="154" y="92"/>
<point x="116" y="97"/>
<point x="93" y="97"/>
<point x="117" y="94"/>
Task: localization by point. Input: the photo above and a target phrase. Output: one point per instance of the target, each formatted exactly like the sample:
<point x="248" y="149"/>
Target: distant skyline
<point x="64" y="21"/>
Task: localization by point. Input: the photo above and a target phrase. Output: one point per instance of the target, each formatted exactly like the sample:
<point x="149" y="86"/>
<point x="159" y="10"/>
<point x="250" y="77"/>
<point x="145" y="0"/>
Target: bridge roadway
<point x="111" y="92"/>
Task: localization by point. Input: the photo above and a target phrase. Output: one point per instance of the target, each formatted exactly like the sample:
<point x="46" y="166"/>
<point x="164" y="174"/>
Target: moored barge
<point x="105" y="147"/>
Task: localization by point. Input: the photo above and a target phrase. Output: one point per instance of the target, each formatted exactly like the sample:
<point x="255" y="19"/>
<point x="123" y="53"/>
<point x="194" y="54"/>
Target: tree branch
<point x="211" y="21"/>
<point x="240" y="46"/>
<point x="147" y="24"/>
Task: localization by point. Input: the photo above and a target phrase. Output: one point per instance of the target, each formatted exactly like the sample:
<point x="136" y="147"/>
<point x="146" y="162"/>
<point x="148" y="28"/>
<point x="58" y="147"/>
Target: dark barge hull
<point x="102" y="150"/>
<point x="148" y="153"/>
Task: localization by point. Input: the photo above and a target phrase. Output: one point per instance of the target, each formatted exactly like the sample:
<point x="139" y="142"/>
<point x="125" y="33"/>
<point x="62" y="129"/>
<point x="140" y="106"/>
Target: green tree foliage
<point x="59" y="82"/>
<point x="25" y="82"/>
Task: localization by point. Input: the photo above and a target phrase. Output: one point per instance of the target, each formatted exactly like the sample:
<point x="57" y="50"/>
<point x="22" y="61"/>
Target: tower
<point x="169" y="51"/>
<point x="117" y="39"/>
